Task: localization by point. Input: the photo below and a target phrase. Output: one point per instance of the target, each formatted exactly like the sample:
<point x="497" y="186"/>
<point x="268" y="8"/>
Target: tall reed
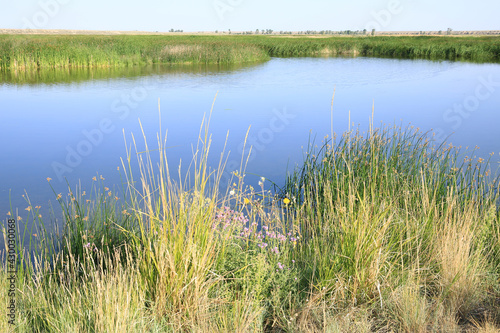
<point x="33" y="52"/>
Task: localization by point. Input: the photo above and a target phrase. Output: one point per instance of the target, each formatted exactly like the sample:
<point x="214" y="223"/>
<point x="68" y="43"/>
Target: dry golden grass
<point x="461" y="267"/>
<point x="180" y="50"/>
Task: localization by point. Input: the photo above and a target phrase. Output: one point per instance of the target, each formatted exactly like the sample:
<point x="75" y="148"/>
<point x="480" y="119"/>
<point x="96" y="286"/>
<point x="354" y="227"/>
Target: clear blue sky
<point x="210" y="15"/>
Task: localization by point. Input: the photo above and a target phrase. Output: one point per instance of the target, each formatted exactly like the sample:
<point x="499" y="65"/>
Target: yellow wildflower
<point x="286" y="201"/>
<point x="49" y="179"/>
<point x="246" y="201"/>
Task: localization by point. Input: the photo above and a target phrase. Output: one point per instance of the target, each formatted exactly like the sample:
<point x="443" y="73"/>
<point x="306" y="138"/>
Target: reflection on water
<point x="72" y="75"/>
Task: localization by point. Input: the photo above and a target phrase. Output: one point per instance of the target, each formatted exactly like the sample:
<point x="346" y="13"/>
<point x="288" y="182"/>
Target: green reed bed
<point x="482" y="49"/>
<point x="31" y="52"/>
<point x="378" y="232"/>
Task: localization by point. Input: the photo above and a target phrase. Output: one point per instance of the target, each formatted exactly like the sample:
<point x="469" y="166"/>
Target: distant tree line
<point x="449" y="31"/>
<point x="306" y="32"/>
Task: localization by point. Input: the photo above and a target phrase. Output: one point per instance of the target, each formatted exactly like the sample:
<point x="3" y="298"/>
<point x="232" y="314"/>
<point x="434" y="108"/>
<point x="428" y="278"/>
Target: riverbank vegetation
<point x="377" y="231"/>
<point x="33" y="52"/>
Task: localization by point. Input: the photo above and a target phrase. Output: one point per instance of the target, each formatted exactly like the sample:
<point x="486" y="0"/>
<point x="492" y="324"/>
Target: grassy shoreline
<point x="33" y="52"/>
<point x="377" y="231"/>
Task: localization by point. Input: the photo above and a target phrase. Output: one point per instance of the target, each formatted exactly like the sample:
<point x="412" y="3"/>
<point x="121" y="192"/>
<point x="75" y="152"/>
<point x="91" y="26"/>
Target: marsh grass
<point x="49" y="52"/>
<point x="381" y="231"/>
<point x="377" y="206"/>
<point x="33" y="52"/>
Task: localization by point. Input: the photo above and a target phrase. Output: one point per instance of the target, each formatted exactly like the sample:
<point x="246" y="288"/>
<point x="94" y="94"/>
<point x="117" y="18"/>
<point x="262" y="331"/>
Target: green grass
<point x="377" y="231"/>
<point x="44" y="52"/>
<point x="32" y="52"/>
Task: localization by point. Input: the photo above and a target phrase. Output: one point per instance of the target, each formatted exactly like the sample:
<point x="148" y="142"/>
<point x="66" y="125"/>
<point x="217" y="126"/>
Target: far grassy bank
<point x="30" y="52"/>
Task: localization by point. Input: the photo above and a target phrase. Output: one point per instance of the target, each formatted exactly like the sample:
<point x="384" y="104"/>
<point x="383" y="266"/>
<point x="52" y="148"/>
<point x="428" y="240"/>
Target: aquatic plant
<point x="32" y="52"/>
